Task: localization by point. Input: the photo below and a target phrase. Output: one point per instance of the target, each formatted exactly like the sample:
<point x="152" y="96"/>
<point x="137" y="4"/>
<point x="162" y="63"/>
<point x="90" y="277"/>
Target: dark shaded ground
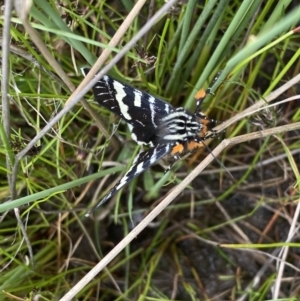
<point x="188" y="247"/>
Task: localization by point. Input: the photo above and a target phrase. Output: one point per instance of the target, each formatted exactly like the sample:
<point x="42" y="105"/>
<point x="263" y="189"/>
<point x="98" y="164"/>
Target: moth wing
<point x="141" y="111"/>
<point x="141" y="162"/>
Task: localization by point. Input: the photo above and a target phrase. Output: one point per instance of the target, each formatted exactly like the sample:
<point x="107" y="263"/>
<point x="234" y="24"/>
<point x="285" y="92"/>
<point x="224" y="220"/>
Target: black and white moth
<point x="153" y="122"/>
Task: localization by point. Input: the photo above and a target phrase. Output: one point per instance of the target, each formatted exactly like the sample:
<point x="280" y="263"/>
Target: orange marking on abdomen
<point x="177" y="149"/>
<point x="193" y="145"/>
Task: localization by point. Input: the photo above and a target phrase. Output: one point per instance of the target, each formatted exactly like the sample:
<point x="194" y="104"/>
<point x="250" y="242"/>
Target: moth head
<point x="207" y="126"/>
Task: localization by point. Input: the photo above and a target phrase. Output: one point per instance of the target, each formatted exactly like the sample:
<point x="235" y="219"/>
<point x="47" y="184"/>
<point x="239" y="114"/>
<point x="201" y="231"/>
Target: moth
<point x="166" y="129"/>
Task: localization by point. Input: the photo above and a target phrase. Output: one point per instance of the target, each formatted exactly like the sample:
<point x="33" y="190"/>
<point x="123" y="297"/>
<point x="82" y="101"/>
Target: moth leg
<point x="201" y="94"/>
<point x="212" y="134"/>
<point x="175" y="159"/>
<point x="177" y="149"/>
<point x="208" y="90"/>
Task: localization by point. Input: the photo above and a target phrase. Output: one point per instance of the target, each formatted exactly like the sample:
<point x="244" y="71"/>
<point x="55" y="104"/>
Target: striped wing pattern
<point x="141" y="162"/>
<point x="141" y="111"/>
<point x="152" y="121"/>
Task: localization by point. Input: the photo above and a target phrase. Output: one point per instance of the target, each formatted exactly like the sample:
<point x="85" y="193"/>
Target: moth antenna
<point x="220" y="163"/>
